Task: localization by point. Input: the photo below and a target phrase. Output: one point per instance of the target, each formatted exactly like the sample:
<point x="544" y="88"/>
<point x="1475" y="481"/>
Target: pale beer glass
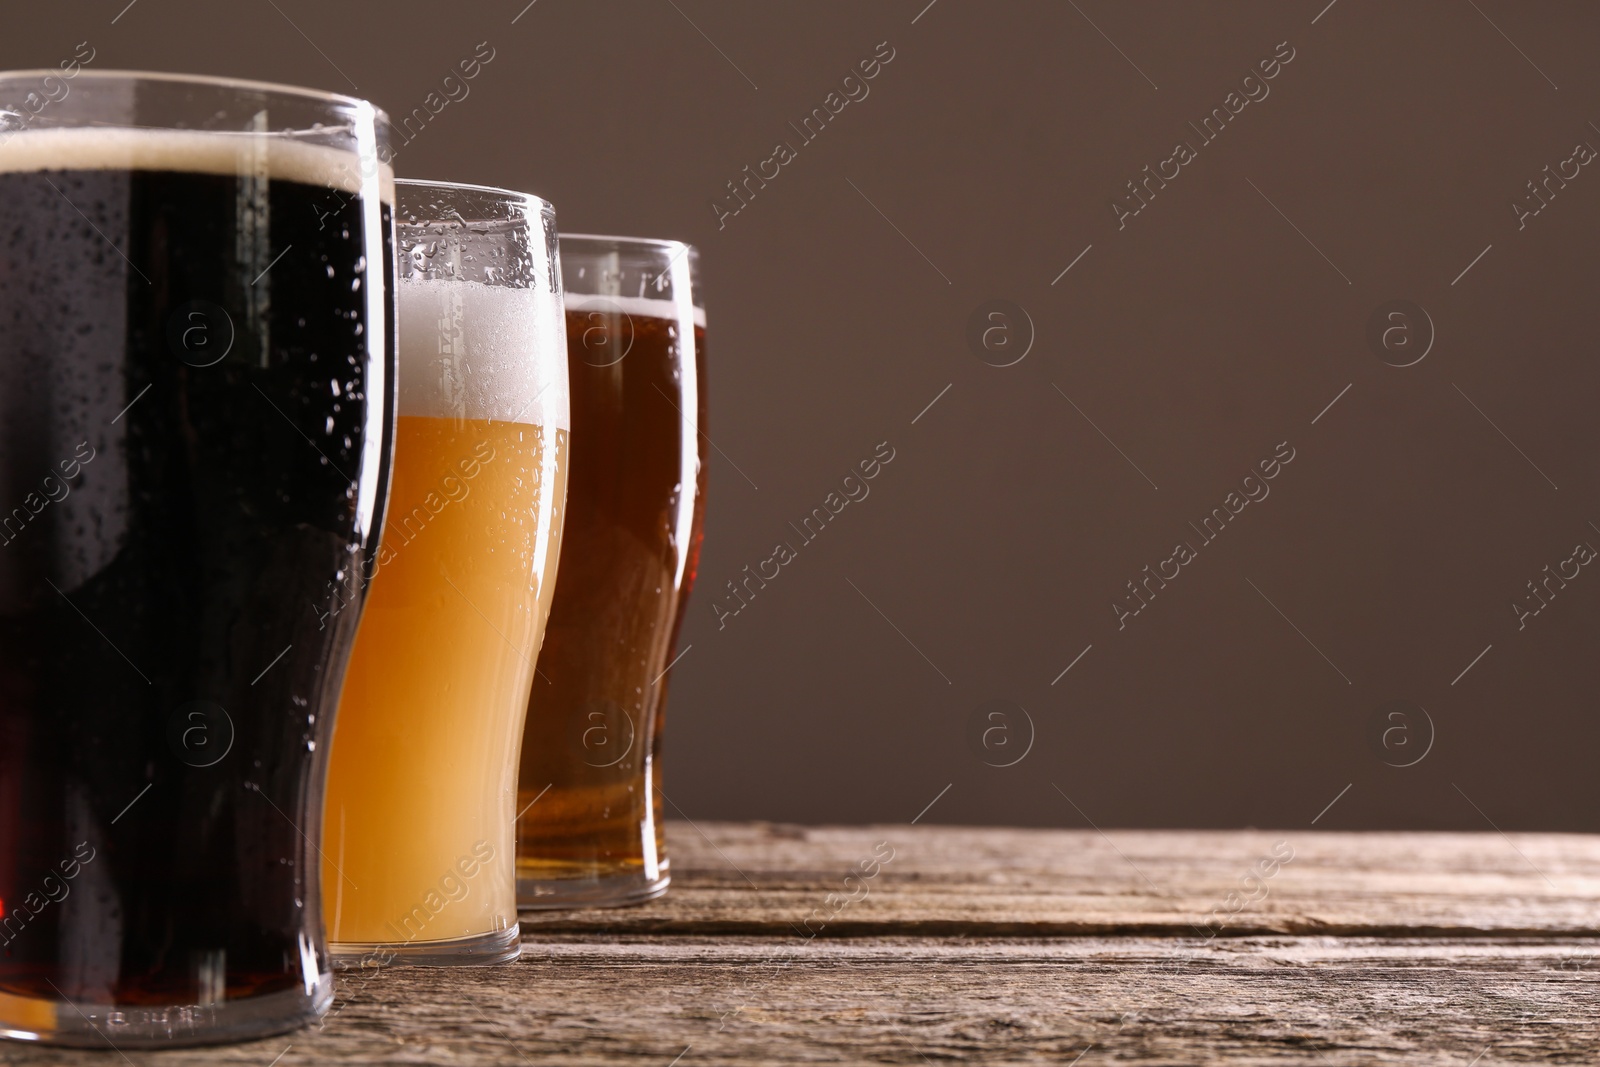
<point x="418" y="842"/>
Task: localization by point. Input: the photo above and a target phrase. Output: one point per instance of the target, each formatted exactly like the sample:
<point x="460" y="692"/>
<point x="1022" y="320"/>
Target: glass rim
<point x="510" y="195"/>
<point x="633" y="242"/>
<point x="279" y="88"/>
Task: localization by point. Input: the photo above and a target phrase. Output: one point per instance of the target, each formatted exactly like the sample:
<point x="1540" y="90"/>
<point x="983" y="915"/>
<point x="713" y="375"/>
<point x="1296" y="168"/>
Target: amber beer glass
<point x="590" y="829"/>
<point x="196" y="387"/>
<point x="418" y="823"/>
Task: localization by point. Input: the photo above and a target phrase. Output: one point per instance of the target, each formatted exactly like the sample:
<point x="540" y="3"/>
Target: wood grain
<point x="763" y="879"/>
<point x="1000" y="946"/>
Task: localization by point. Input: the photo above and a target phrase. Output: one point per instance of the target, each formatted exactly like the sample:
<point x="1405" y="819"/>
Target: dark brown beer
<point x="168" y="660"/>
<point x="636" y="489"/>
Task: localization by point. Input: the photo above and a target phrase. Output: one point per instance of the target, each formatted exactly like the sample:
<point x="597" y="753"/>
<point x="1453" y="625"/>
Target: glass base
<point x="497" y="946"/>
<point x="144" y="1026"/>
<point x="612" y="891"/>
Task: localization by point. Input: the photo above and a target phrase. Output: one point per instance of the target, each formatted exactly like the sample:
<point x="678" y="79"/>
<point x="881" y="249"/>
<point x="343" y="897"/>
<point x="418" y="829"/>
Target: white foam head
<point x="475" y="351"/>
<point x="277" y="155"/>
<point x="639" y="306"/>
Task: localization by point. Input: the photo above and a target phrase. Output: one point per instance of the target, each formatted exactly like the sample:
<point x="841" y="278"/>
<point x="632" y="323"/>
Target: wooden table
<point x="911" y="944"/>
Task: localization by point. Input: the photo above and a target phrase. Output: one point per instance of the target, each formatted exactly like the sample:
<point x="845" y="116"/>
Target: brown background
<point x="1198" y="337"/>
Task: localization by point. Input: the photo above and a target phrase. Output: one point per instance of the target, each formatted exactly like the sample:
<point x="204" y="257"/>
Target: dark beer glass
<point x="589" y="789"/>
<point x="196" y="401"/>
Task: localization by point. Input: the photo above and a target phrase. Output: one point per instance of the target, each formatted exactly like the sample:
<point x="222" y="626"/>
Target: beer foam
<point x="643" y="307"/>
<point x="475" y="351"/>
<point x="281" y="156"/>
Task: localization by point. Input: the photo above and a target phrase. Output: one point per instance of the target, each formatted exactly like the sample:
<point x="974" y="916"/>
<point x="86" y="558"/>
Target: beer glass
<point x="418" y="823"/>
<point x="196" y="381"/>
<point x="590" y="829"/>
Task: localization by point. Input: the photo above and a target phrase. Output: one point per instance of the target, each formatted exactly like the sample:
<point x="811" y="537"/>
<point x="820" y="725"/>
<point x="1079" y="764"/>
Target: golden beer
<point x="434" y="695"/>
<point x="418" y="825"/>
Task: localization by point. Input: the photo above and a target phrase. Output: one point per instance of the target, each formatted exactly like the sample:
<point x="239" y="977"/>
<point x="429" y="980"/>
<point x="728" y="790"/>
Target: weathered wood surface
<point x="757" y="878"/>
<point x="1003" y="946"/>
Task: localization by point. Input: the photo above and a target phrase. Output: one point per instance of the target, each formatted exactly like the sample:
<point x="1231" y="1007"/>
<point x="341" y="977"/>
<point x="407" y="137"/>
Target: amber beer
<point x="418" y="822"/>
<point x="590" y="775"/>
